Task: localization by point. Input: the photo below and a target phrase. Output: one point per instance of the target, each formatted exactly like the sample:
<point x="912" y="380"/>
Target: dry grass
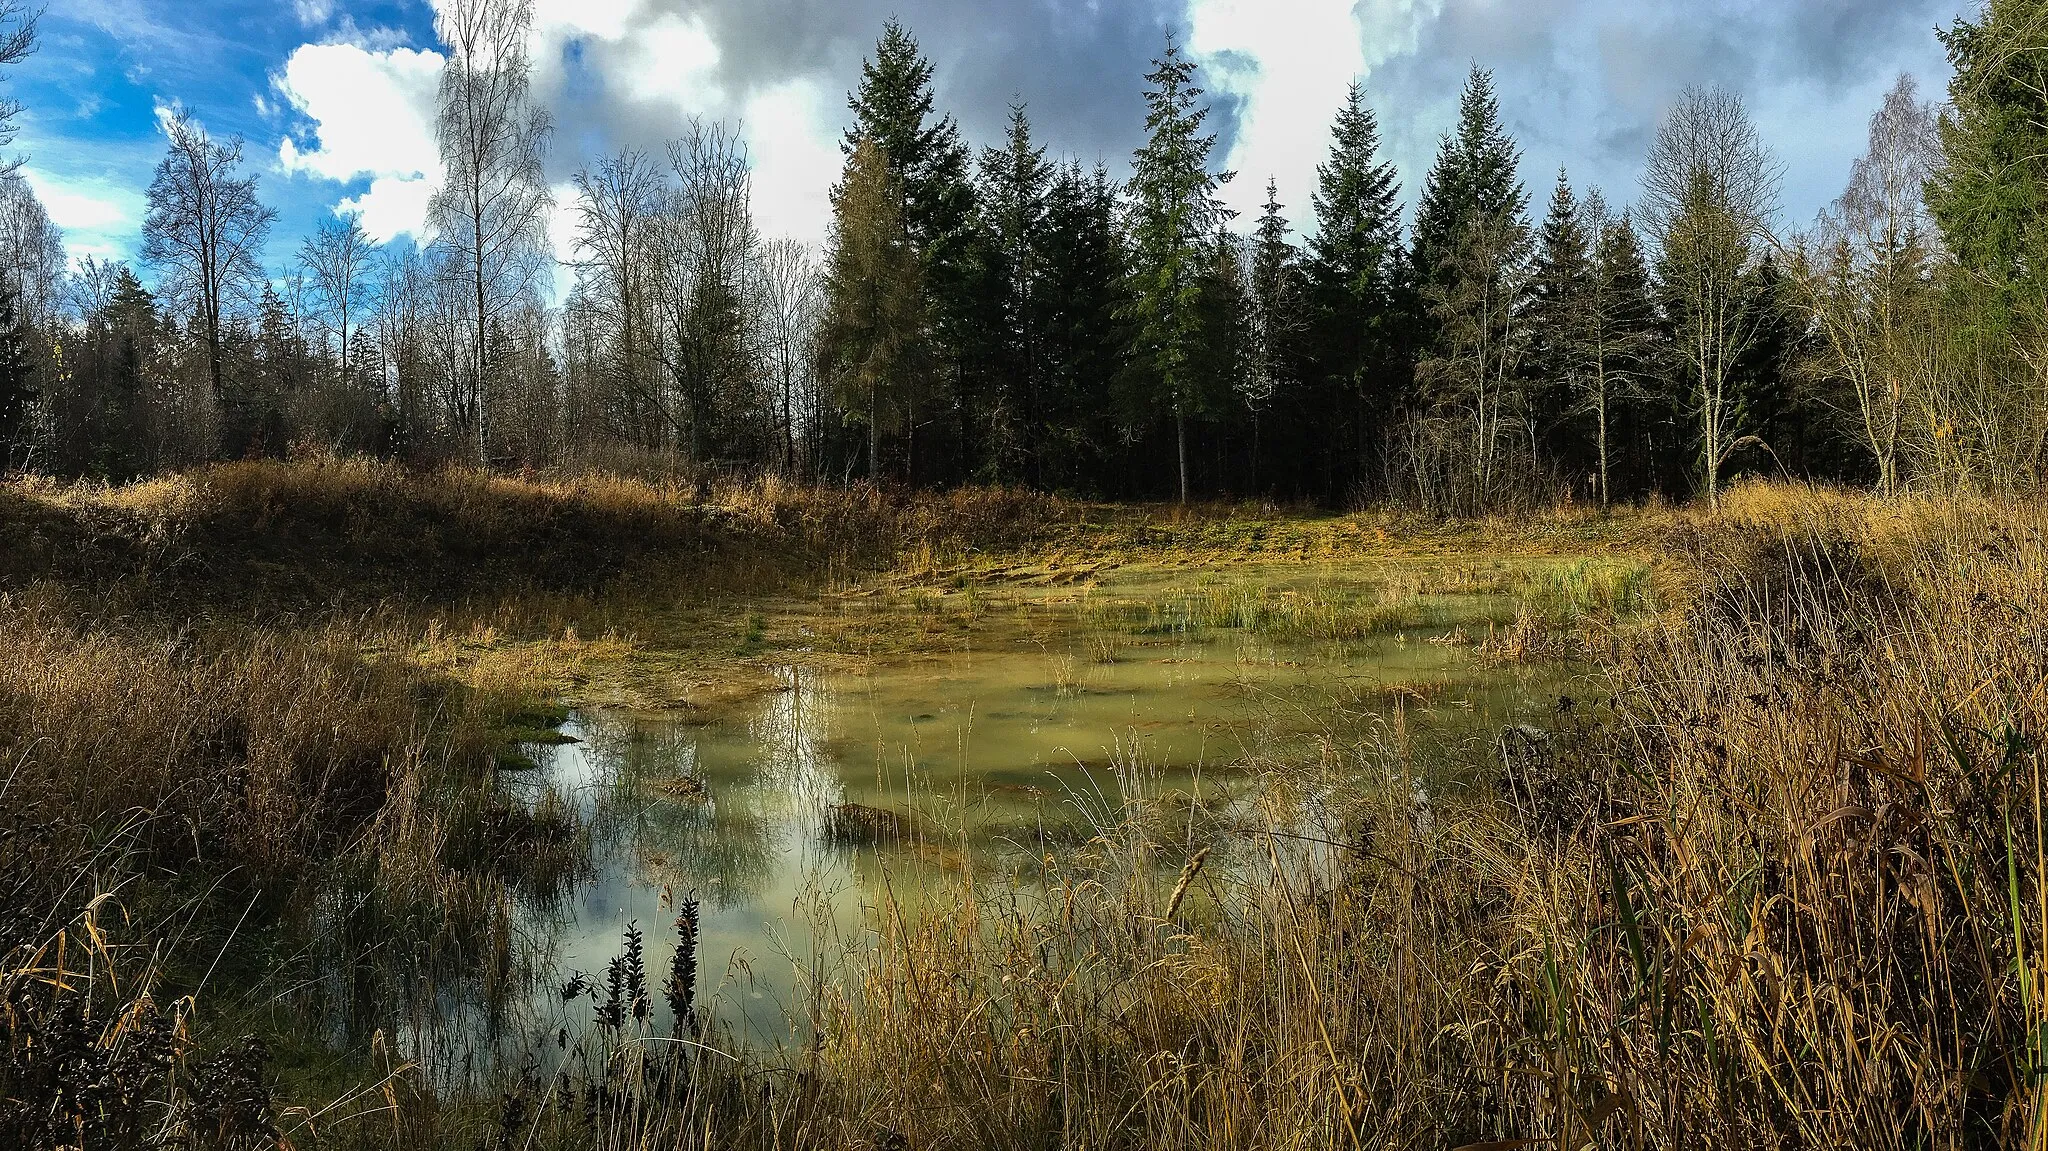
<point x="1787" y="887"/>
<point x="1789" y="890"/>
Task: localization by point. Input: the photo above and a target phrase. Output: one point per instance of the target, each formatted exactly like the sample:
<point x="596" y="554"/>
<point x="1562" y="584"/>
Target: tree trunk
<point x="1180" y="432"/>
<point x="1602" y="413"/>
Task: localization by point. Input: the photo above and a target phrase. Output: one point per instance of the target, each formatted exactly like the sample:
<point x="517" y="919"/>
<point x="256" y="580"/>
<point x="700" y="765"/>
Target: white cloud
<point x="99" y="218"/>
<point x="673" y="60"/>
<point x="562" y="238"/>
<point x="373" y="115"/>
<point x="795" y="148"/>
<point x="373" y="112"/>
<point x="1292" y="61"/>
<point x="393" y="206"/>
<point x="313" y="13"/>
<point x="560" y="20"/>
<point x="166" y="112"/>
<point x="670" y="61"/>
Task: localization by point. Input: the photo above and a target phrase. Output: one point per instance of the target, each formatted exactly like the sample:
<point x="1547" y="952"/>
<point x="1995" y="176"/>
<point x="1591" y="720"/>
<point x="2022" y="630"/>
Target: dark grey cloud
<point x="1078" y="64"/>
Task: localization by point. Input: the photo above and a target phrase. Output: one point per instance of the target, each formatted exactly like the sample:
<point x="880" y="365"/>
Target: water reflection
<point x="783" y="816"/>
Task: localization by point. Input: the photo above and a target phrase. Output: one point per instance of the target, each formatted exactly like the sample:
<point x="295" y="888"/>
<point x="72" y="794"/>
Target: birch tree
<point x="618" y="204"/>
<point x="338" y="258"/>
<point x="1709" y="193"/>
<point x="204" y="234"/>
<point x="1865" y="272"/>
<point x="792" y="297"/>
<point x="491" y="215"/>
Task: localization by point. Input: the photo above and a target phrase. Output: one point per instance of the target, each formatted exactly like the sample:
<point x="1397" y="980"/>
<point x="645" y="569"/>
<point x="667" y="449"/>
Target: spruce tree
<point x="874" y="342"/>
<point x="1274" y="321"/>
<point x="1080" y="285"/>
<point x="1225" y="365"/>
<point x="1476" y="176"/>
<point x="1014" y="182"/>
<point x="17" y="377"/>
<point x="1352" y="264"/>
<point x="1470" y="255"/>
<point x="895" y="108"/>
<point x="1560" y="323"/>
<point x="1625" y="360"/>
<point x="1991" y="195"/>
<point x="1175" y="214"/>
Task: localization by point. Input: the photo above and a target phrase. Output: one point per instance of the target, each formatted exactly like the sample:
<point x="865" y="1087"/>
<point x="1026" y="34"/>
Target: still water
<point x="792" y="814"/>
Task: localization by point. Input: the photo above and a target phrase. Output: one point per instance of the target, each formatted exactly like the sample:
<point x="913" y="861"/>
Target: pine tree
<point x="1476" y="176"/>
<point x="1353" y="265"/>
<point x="875" y="343"/>
<point x="118" y="424"/>
<point x="1014" y="181"/>
<point x="1470" y="256"/>
<point x="1080" y="285"/>
<point x="1273" y="316"/>
<point x="1560" y="319"/>
<point x="1991" y="195"/>
<point x="1623" y="326"/>
<point x="17" y="377"/>
<point x="1175" y="214"/>
<point x="1225" y="364"/>
<point x="895" y="108"/>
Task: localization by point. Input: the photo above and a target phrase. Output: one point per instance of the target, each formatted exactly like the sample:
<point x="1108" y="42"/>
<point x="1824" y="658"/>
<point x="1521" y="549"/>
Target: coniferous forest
<point x="995" y="314"/>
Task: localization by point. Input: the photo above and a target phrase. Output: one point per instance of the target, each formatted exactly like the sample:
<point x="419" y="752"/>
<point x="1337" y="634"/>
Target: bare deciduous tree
<point x="706" y="247"/>
<point x="491" y="215"/>
<point x="31" y="250"/>
<point x="17" y="43"/>
<point x="205" y="232"/>
<point x="617" y="208"/>
<point x="338" y="257"/>
<point x="792" y="300"/>
<point x="1865" y="271"/>
<point x="1709" y="193"/>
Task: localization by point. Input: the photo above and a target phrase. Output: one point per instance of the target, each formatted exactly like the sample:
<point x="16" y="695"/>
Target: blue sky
<point x="333" y="97"/>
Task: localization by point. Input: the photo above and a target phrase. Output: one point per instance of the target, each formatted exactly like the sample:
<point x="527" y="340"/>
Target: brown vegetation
<point x="1785" y="889"/>
<point x="1776" y="880"/>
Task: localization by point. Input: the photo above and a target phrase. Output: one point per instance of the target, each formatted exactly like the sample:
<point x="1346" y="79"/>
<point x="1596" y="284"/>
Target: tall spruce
<point x="1990" y="196"/>
<point x="1083" y="342"/>
<point x="1225" y="365"/>
<point x="874" y="346"/>
<point x="1624" y="360"/>
<point x="1353" y="265"/>
<point x="894" y="106"/>
<point x="1274" y="321"/>
<point x="1471" y="251"/>
<point x="1560" y="324"/>
<point x="1014" y="182"/>
<point x="1174" y="219"/>
<point x="1476" y="175"/>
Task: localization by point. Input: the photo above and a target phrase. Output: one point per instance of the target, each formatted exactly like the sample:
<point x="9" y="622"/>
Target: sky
<point x="333" y="99"/>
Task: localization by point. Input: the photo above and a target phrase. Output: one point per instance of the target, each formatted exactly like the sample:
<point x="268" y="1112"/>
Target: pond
<point x="1017" y="730"/>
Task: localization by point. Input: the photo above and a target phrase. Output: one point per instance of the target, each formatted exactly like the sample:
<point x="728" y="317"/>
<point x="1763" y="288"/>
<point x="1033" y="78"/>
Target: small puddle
<point x="789" y="816"/>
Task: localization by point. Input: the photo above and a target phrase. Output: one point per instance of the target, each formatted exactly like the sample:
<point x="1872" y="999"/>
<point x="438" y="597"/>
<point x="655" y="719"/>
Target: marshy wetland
<point x="1032" y="707"/>
<point x="794" y="818"/>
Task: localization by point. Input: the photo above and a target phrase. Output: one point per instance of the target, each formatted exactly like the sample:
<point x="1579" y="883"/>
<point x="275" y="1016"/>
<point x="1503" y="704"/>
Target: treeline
<point x="1006" y="316"/>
